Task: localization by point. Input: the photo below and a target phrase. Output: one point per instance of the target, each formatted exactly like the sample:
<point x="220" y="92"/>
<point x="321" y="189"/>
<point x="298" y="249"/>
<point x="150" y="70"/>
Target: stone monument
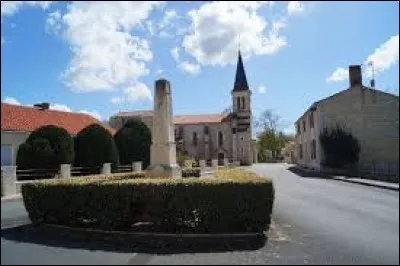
<point x="163" y="148"/>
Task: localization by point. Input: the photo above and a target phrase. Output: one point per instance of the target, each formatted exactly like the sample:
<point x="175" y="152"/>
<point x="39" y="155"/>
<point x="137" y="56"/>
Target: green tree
<point x="133" y="141"/>
<point x="46" y="147"/>
<point x="94" y="146"/>
<point x="340" y="148"/>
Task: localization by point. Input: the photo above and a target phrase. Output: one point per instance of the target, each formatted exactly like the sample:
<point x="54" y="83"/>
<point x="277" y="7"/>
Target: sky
<point x="101" y="58"/>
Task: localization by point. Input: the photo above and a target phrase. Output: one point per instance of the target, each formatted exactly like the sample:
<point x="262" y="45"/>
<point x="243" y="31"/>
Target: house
<point x="372" y="116"/>
<point x="17" y="122"/>
<point x="211" y="136"/>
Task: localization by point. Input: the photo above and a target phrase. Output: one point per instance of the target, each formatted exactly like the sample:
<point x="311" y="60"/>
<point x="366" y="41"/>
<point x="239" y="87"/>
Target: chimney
<point x="355" y="76"/>
<point x="42" y="106"/>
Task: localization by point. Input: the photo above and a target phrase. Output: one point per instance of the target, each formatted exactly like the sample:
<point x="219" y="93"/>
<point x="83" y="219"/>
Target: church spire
<point x="240" y="79"/>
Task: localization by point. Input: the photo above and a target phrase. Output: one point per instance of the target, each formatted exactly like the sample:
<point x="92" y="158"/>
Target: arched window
<point x="243" y="103"/>
<point x="238" y="103"/>
<point x="194" y="139"/>
<point x="220" y="139"/>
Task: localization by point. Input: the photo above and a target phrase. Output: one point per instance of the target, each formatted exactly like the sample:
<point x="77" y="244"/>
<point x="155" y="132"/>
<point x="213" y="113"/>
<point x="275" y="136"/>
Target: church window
<point x="194" y="138"/>
<point x="238" y="103"/>
<point x="206" y="130"/>
<point x="220" y="139"/>
<point x="243" y="103"/>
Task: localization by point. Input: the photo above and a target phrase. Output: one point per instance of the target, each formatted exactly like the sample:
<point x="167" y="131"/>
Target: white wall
<point x="14" y="139"/>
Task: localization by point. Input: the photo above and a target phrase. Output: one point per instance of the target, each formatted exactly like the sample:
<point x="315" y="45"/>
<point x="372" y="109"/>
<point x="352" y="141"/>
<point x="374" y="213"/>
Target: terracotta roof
<point x="27" y="119"/>
<point x="135" y="113"/>
<point x="198" y="119"/>
<point x="183" y="119"/>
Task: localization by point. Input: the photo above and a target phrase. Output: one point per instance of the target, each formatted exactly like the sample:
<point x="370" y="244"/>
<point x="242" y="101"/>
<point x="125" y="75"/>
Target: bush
<point x="94" y="146"/>
<point x="181" y="157"/>
<point x="46" y="147"/>
<point x="340" y="148"/>
<point x="133" y="141"/>
<point x="173" y="205"/>
<point x="191" y="172"/>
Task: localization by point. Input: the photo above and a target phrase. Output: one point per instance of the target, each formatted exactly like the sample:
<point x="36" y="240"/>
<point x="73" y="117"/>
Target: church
<point x="211" y="136"/>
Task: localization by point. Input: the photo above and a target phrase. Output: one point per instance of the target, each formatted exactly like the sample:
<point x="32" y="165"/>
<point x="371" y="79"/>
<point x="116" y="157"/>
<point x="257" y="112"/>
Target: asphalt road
<point x="315" y="221"/>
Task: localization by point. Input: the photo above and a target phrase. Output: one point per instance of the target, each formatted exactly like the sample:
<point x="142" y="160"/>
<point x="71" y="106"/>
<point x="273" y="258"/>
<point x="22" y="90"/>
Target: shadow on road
<point x="64" y="238"/>
<point x="308" y="174"/>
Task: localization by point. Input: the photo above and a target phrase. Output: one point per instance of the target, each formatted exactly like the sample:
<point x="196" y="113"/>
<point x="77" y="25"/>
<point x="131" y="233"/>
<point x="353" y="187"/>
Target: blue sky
<point x="101" y="58"/>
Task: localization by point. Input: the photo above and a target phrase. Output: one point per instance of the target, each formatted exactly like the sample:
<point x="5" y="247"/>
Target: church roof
<point x="240" y="78"/>
<point x="183" y="119"/>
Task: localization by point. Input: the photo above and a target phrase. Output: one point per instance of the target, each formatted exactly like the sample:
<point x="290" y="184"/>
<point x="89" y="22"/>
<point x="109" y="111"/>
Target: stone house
<point x="372" y="116"/>
<point x="211" y="136"/>
<point x="17" y="122"/>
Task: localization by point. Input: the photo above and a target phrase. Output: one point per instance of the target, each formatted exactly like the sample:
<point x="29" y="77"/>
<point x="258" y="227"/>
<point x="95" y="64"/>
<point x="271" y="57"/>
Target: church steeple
<point x="240" y="79"/>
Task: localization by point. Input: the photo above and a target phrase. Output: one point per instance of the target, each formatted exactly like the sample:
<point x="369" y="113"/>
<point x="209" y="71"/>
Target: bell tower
<point x="242" y="122"/>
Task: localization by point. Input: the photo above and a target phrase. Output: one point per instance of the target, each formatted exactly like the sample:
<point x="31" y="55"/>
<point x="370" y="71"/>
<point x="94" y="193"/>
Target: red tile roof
<point x="182" y="119"/>
<point x="27" y="119"/>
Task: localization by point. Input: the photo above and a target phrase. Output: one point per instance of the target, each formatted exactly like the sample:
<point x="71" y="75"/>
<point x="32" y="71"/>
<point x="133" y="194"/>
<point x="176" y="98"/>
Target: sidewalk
<point x="367" y="182"/>
<point x="11" y="198"/>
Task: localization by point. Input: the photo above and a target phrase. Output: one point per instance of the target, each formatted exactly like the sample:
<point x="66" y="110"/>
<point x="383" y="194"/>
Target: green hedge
<point x="194" y="205"/>
<point x="191" y="172"/>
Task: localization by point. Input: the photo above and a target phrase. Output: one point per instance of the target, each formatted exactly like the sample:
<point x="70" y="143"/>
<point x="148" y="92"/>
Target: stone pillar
<point x="137" y="166"/>
<point x="202" y="163"/>
<point x="65" y="171"/>
<point x="226" y="162"/>
<point x="188" y="163"/>
<point x="106" y="170"/>
<point x="8" y="180"/>
<point x="163" y="147"/>
<point x="214" y="164"/>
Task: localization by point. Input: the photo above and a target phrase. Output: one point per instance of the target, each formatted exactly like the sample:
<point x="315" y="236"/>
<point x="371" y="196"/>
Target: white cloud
<point x="186" y="66"/>
<point x="3" y="40"/>
<point x="160" y="71"/>
<point x="189" y="68"/>
<point x="133" y="94"/>
<point x="106" y="55"/>
<point x="9" y="8"/>
<point x="295" y="7"/>
<point x="95" y="114"/>
<point x="11" y="100"/>
<point x="60" y="107"/>
<point x="383" y="57"/>
<point x="215" y="28"/>
<point x="175" y="53"/>
<point x="339" y="74"/>
<point x="53" y="22"/>
<point x="261" y="89"/>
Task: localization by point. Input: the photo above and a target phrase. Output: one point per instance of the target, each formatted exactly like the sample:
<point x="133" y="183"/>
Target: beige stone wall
<point x="370" y="115"/>
<point x="14" y="139"/>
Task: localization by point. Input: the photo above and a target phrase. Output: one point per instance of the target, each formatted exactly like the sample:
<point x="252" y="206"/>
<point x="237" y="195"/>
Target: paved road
<point x="315" y="221"/>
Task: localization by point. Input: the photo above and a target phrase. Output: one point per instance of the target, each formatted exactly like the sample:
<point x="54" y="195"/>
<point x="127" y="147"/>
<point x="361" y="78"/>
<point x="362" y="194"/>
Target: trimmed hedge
<point x="133" y="141"/>
<point x="191" y="172"/>
<point x="94" y="146"/>
<point x="173" y="205"/>
<point x="46" y="147"/>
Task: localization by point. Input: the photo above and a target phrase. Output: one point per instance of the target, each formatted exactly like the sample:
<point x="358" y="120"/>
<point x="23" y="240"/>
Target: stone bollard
<point x="137" y="166"/>
<point x="202" y="163"/>
<point x="226" y="162"/>
<point x="106" y="170"/>
<point x="214" y="164"/>
<point x="188" y="163"/>
<point x="65" y="171"/>
<point x="8" y="180"/>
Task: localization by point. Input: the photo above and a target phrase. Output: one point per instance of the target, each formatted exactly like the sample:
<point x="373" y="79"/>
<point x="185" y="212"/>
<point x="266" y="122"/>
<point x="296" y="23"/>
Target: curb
<point x="367" y="184"/>
<point x="155" y="235"/>
<point x="11" y="198"/>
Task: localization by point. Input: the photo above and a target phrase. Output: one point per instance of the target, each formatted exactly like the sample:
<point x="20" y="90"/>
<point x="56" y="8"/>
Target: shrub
<point x="46" y="147"/>
<point x="133" y="141"/>
<point x="340" y="147"/>
<point x="94" y="146"/>
<point x="191" y="173"/>
<point x="181" y="157"/>
<point x="173" y="205"/>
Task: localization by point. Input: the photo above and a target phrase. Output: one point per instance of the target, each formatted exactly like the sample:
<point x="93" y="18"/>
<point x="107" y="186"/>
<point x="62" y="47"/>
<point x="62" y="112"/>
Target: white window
<point x="6" y="153"/>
